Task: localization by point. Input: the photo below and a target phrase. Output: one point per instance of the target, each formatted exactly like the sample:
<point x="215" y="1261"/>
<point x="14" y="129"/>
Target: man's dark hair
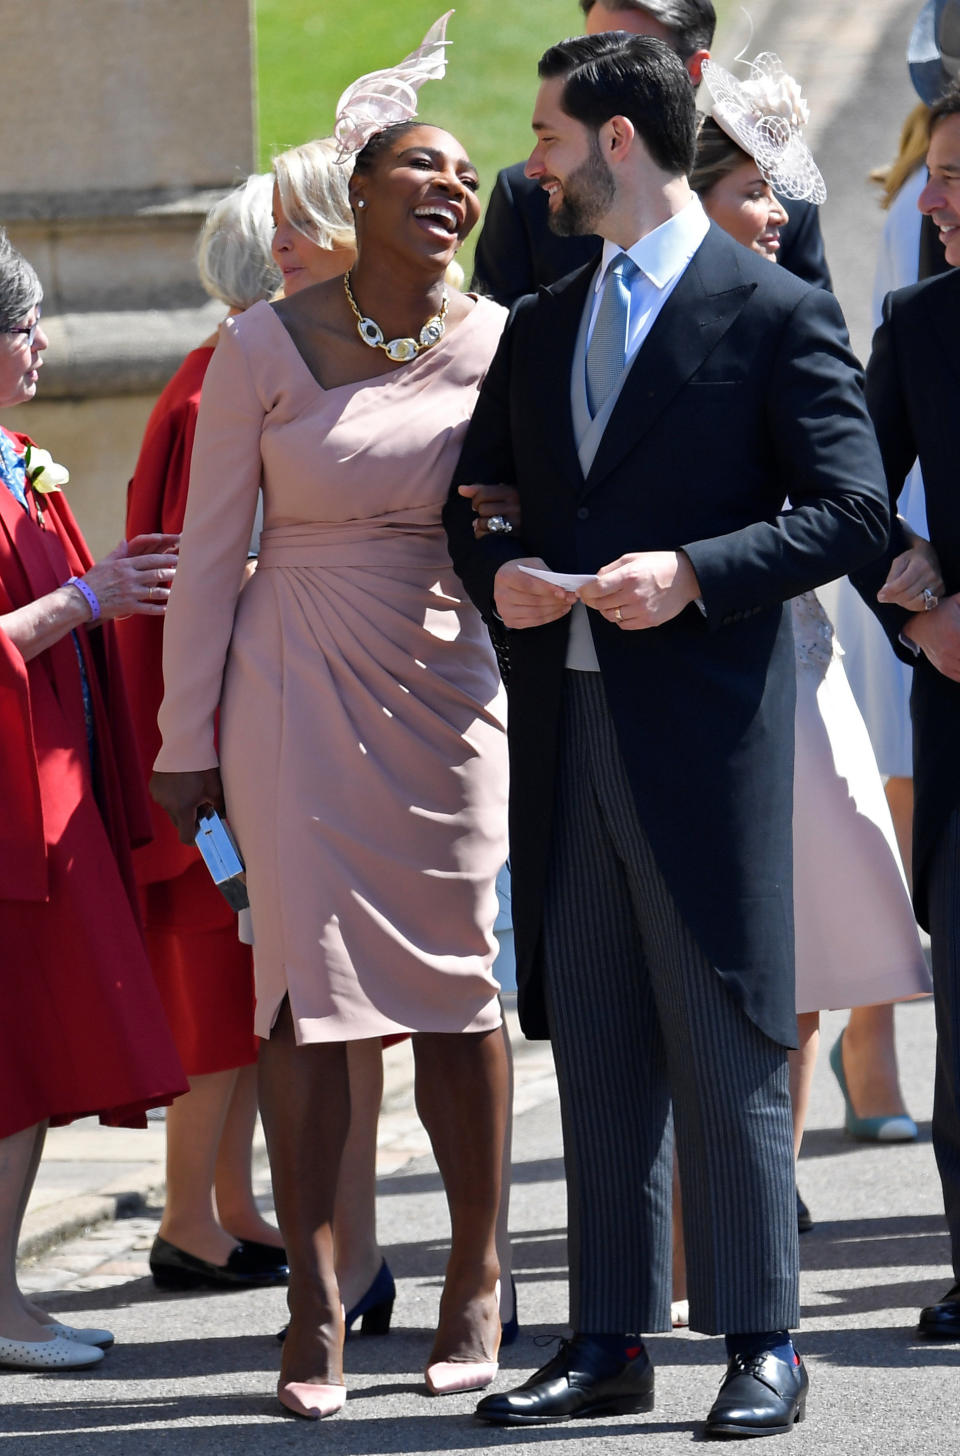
<point x="615" y="74"/>
<point x="947" y="105"/>
<point x="691" y="22"/>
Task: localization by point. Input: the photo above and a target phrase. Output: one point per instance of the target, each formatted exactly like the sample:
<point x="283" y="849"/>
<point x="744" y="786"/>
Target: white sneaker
<point x="56" y="1354"/>
<point x="103" y="1338"/>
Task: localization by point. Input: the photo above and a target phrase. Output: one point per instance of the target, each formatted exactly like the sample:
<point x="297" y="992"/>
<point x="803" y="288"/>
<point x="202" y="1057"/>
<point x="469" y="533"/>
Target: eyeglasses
<point x="28" y="332"/>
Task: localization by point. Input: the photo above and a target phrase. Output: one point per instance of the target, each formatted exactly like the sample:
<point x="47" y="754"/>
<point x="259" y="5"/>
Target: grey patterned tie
<point x="608" y="343"/>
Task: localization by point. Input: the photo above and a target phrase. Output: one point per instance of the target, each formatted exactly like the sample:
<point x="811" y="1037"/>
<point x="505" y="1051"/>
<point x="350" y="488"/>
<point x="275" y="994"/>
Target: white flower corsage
<point x="42" y="471"/>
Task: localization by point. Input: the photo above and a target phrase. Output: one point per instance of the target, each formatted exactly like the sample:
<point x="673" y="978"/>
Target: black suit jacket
<point x="913" y="385"/>
<point x="517" y="252"/>
<point x="745" y="391"/>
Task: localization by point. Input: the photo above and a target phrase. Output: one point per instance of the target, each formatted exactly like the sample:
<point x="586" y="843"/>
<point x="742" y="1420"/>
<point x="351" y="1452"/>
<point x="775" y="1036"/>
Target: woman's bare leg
<point x="305" y="1106"/>
<point x="461" y="1089"/>
<point x="195" y="1125"/>
<point x="504" y="1250"/>
<point x="358" y="1255"/>
<point x="802" y="1063"/>
<point x="19" y="1160"/>
<point x="233" y="1178"/>
<point x="870" y="1063"/>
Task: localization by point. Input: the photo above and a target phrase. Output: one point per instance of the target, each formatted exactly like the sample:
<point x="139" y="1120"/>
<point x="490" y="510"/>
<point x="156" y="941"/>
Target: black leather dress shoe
<point x="581" y="1380"/>
<point x="942" y="1321"/>
<point x="174" y="1268"/>
<point x="759" y="1396"/>
<point x="804" y="1220"/>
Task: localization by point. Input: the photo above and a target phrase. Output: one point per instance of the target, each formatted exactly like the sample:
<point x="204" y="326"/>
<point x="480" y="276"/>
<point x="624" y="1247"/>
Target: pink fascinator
<point x="384" y="98"/>
<point x="765" y="115"/>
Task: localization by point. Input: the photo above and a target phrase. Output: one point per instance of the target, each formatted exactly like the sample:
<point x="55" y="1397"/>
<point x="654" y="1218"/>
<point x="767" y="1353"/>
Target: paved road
<point x="195" y="1374"/>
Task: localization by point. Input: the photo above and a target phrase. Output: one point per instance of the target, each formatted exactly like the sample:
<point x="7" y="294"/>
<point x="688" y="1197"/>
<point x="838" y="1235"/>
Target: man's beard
<point x="587" y="194"/>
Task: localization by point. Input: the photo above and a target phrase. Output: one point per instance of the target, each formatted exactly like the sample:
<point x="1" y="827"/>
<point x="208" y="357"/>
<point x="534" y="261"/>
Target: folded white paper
<point x="567" y="579"/>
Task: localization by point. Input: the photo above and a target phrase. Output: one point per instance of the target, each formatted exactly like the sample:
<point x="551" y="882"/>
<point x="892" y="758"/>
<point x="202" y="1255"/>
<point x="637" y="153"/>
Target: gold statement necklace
<point x="399" y="350"/>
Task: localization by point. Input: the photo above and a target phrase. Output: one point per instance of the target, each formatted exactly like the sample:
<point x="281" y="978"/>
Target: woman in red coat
<point x="211" y="1232"/>
<point x="83" y="1030"/>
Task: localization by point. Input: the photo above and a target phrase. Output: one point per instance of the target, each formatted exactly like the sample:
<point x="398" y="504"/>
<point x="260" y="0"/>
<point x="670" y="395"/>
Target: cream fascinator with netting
<point x="765" y="115"/>
<point x="384" y="98"/>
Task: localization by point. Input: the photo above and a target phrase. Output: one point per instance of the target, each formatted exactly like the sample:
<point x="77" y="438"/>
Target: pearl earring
<point x="360" y="202"/>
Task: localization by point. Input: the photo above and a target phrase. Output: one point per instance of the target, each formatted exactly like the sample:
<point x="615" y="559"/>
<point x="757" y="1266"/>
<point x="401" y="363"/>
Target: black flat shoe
<point x="942" y="1321"/>
<point x="268" y="1256"/>
<point x="174" y="1268"/>
<point x="760" y="1396"/>
<point x="581" y="1380"/>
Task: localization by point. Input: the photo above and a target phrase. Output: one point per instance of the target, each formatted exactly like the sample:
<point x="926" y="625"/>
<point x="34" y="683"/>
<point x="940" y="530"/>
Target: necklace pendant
<point x="432" y="332"/>
<point x="402" y="350"/>
<point x="370" y="332"/>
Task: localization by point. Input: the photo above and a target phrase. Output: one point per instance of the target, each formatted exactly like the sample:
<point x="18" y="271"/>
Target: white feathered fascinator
<point x="384" y="98"/>
<point x="765" y="115"/>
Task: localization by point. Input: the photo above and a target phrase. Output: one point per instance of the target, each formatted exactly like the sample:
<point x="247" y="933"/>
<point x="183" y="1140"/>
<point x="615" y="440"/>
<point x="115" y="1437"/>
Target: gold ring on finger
<point x="617" y="615"/>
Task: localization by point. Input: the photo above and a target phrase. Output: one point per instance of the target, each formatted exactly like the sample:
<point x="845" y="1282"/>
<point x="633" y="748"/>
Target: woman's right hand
<point x="182" y="794"/>
<point x="135" y="577"/>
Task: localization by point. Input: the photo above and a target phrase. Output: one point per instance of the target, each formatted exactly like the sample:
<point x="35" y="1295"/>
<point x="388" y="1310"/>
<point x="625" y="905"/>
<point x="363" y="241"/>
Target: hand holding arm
<point x="937" y="634"/>
<point x="914" y="572"/>
<point x="492" y="500"/>
<point x="643" y="589"/>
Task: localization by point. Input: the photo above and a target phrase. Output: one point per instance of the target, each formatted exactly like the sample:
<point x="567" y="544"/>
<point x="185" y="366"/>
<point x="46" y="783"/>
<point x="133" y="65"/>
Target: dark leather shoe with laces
<point x="942" y="1321"/>
<point x="581" y="1380"/>
<point x="759" y="1396"/>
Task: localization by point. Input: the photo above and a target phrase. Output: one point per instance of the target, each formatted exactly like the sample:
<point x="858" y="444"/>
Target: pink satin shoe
<point x="313" y="1402"/>
<point x="450" y="1377"/>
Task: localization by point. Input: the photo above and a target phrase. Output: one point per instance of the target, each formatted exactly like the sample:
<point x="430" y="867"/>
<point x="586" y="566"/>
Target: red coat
<point x="83" y="1030"/>
<point x="205" y="975"/>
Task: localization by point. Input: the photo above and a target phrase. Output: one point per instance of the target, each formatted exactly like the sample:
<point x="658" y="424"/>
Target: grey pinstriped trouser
<point x="944" y="900"/>
<point x="637" y="1016"/>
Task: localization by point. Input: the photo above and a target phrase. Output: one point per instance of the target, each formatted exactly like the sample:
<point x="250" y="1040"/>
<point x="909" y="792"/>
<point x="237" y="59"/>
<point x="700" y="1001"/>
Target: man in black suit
<point x="517" y="251"/>
<point x="652" y="416"/>
<point x="913" y="381"/>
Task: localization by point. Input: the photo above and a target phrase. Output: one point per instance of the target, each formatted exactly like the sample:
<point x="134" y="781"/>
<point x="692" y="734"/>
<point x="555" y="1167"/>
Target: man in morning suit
<point x="913" y="382"/>
<point x="517" y="251"/>
<point x="653" y="414"/>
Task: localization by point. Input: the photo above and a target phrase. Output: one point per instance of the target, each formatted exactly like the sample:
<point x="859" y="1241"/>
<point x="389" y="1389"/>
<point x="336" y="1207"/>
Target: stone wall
<point x="132" y="117"/>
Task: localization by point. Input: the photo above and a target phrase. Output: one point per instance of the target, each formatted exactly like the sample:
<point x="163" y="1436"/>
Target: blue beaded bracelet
<point x="87" y="593"/>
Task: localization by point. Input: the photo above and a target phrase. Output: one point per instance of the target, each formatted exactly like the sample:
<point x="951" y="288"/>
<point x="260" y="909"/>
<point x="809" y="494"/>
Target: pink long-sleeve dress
<point x="361" y="738"/>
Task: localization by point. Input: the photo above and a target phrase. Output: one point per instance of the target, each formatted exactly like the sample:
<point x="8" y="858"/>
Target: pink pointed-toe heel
<point x="450" y="1377"/>
<point x="313" y="1402"/>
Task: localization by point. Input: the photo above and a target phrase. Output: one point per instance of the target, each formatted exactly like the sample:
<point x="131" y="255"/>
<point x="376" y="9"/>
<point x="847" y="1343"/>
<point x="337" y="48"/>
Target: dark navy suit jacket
<point x="744" y="392"/>
<point x="913" y="384"/>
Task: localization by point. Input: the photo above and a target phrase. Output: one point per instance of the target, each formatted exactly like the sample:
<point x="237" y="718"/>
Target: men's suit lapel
<point x="942" y="306"/>
<point x="693" y="320"/>
<point x="556" y="322"/>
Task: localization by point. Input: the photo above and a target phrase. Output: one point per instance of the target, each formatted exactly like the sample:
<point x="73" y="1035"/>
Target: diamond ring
<point x="499" y="525"/>
<point x="929" y="600"/>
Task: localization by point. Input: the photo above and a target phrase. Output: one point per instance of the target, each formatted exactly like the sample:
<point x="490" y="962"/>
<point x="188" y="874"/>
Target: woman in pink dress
<point x="362" y="751"/>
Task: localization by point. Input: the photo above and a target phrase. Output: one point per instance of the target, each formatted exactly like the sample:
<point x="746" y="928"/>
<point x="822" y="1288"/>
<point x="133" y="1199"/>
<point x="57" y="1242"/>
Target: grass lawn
<point x="308" y="52"/>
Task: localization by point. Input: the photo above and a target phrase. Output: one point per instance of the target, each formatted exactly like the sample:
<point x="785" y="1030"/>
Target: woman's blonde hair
<point x="233" y="249"/>
<point x="313" y="193"/>
<point x="914" y="140"/>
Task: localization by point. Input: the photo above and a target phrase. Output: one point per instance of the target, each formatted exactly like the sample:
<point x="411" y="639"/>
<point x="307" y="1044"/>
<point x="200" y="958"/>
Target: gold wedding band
<point x="617" y="615"/>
